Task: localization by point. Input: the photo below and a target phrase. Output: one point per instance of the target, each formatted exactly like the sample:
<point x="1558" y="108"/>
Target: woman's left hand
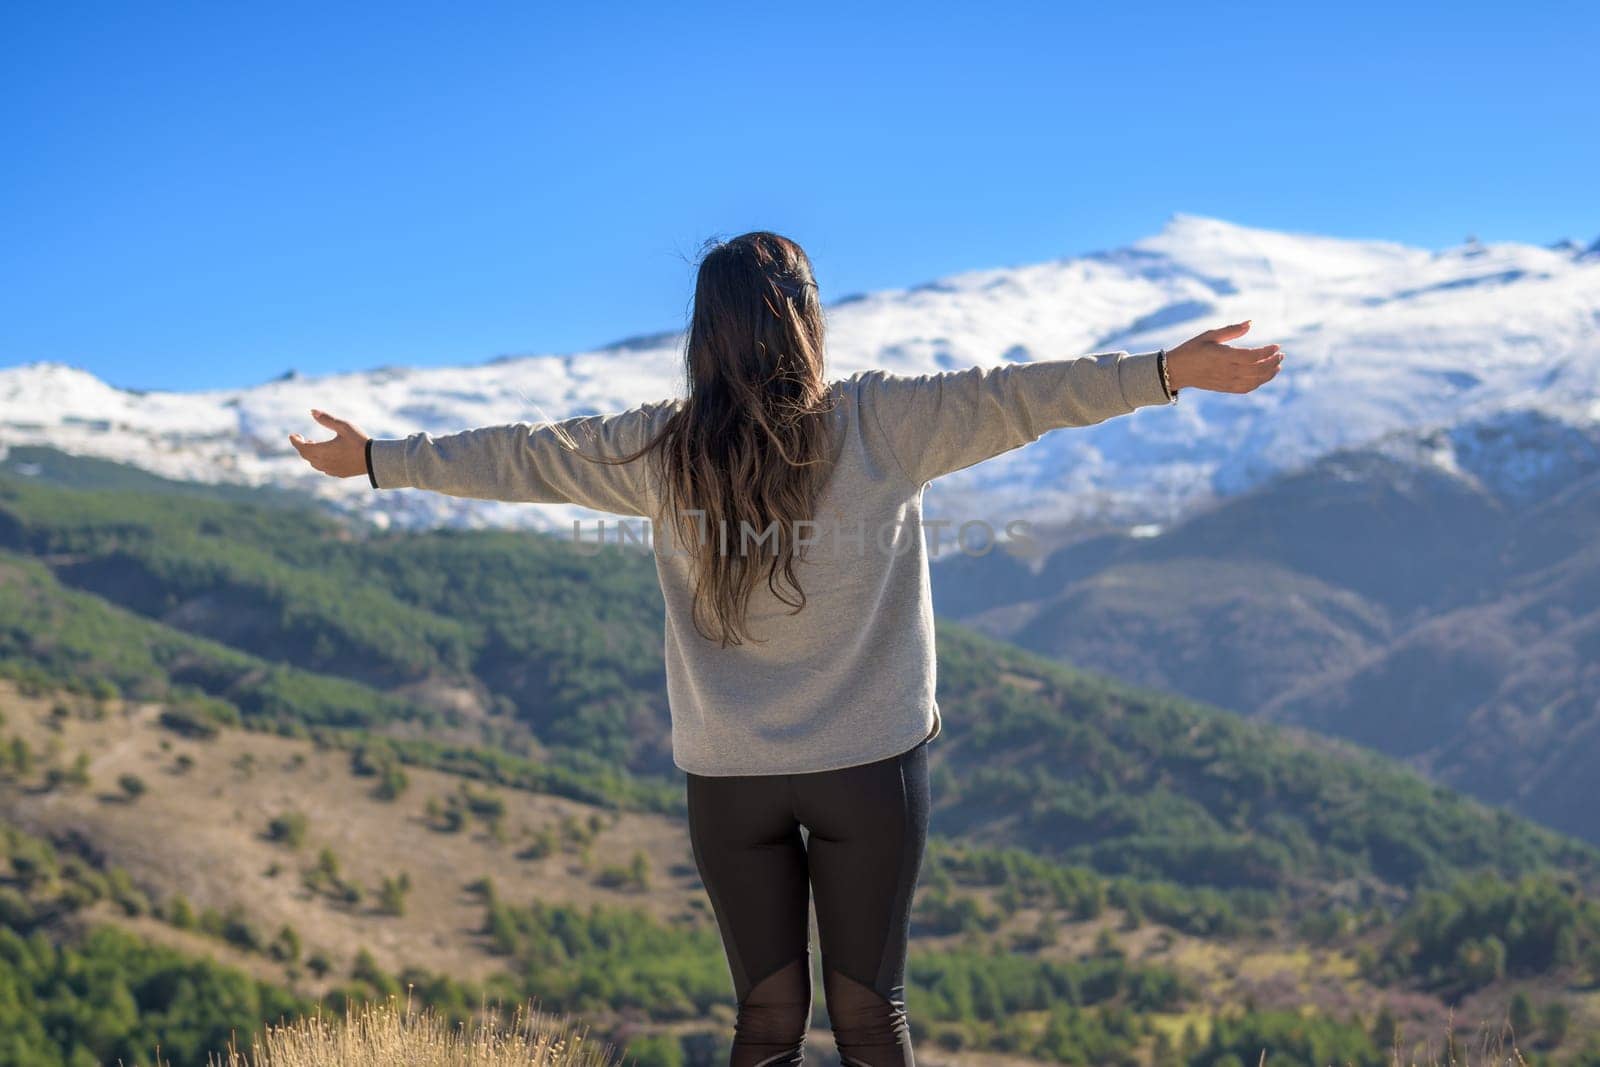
<point x="343" y="457"/>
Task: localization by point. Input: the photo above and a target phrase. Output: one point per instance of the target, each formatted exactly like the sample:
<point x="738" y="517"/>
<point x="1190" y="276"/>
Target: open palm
<point x="1205" y="362"/>
<point x="342" y="457"/>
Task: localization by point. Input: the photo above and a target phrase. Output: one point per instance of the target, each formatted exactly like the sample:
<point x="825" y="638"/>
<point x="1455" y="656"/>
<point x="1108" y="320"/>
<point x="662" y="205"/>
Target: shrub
<point x="289" y="829"/>
<point x="189" y="722"/>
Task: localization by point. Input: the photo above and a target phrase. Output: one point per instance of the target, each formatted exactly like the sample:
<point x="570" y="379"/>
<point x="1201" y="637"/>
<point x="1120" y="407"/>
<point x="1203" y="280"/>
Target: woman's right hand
<point x="345" y="456"/>
<point x="1204" y="362"/>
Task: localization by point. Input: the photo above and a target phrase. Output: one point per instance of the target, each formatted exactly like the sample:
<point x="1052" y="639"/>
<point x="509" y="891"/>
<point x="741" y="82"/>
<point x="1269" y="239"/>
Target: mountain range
<point x="1380" y="339"/>
<point x="1435" y="598"/>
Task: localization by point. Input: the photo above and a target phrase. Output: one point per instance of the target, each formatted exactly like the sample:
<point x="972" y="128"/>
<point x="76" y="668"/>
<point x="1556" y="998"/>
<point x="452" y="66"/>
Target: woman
<point x="800" y="666"/>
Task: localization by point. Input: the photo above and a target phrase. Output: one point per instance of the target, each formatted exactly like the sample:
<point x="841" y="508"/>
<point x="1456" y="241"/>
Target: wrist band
<point x="1166" y="383"/>
<point x="373" y="478"/>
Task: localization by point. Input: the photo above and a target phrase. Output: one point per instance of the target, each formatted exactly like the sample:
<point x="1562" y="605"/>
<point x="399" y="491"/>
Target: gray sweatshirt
<point x="849" y="679"/>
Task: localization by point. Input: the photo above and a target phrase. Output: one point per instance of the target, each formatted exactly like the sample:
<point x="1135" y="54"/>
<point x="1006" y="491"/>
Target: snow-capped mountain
<point x="1381" y="339"/>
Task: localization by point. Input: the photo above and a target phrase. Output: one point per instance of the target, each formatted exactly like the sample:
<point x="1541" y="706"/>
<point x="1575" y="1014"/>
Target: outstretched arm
<point x="935" y="424"/>
<point x="546" y="463"/>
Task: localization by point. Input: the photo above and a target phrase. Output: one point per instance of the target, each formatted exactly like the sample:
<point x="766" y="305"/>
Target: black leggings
<point x="866" y="827"/>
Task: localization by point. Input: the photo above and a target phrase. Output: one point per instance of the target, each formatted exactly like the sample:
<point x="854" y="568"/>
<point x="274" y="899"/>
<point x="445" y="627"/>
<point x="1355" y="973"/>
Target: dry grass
<point x="1492" y="1046"/>
<point x="381" y="1034"/>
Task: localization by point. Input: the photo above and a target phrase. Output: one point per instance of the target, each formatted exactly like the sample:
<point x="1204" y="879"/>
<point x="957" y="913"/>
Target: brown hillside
<point x="202" y="833"/>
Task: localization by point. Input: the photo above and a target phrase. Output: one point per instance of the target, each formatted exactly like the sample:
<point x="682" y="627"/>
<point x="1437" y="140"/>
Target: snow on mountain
<point x="1379" y="338"/>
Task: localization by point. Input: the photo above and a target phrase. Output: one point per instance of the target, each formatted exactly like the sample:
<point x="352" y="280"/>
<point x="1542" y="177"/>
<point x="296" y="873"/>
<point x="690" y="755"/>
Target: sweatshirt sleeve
<point x="530" y="462"/>
<point x="934" y="424"/>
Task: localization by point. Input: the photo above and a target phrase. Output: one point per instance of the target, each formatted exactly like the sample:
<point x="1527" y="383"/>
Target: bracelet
<point x="1166" y="382"/>
<point x="373" y="478"/>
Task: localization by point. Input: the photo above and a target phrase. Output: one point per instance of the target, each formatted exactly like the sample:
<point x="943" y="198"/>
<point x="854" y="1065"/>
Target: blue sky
<point x="201" y="196"/>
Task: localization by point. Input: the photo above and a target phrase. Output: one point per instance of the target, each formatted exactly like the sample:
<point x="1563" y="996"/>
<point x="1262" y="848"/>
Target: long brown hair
<point x="751" y="447"/>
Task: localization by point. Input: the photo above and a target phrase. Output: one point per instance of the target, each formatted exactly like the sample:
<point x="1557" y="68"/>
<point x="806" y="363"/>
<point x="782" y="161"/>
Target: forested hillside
<point x="1445" y="613"/>
<point x="347" y="729"/>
